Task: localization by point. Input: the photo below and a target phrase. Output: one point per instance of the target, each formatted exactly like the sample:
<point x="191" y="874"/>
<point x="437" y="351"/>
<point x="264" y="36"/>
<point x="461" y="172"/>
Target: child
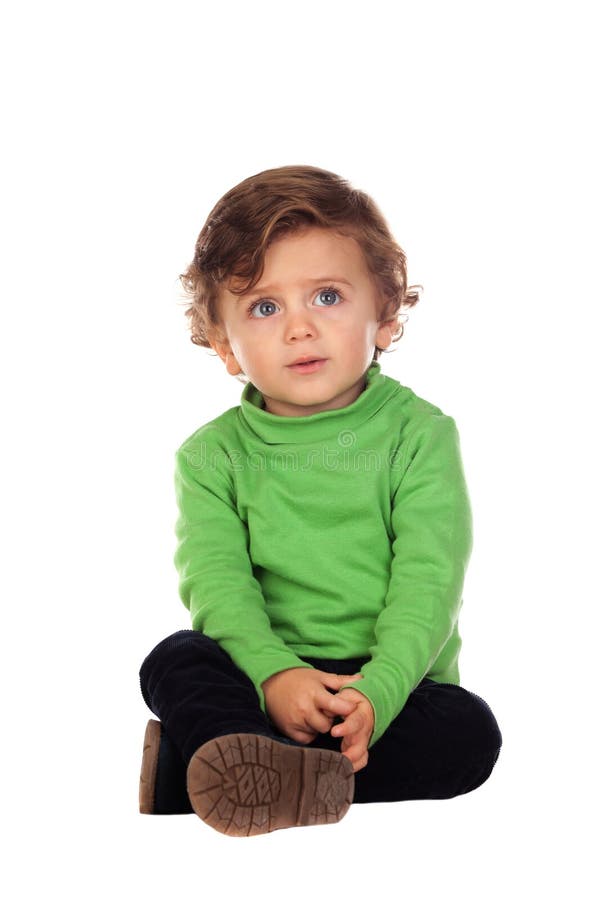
<point x="324" y="533"/>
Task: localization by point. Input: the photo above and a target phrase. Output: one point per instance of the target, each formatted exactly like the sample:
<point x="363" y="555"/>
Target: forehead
<point x="307" y="256"/>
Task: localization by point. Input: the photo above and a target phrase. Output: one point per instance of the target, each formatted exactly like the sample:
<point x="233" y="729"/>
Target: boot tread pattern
<point x="248" y="784"/>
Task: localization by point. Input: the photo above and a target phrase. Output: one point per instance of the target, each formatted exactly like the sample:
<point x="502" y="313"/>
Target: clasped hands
<point x="301" y="706"/>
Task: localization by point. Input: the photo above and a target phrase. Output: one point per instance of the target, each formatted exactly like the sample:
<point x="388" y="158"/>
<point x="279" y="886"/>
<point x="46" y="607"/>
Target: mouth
<point x="307" y="364"/>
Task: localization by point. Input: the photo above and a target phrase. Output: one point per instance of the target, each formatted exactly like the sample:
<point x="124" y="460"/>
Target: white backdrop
<point x="474" y="127"/>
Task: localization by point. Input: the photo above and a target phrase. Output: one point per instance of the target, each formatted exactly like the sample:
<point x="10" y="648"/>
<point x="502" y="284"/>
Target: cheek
<point x="358" y="335"/>
<point x="253" y="347"/>
<point x="357" y="320"/>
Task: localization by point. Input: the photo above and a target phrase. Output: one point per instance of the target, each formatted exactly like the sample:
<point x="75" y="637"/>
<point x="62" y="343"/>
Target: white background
<point x="473" y="125"/>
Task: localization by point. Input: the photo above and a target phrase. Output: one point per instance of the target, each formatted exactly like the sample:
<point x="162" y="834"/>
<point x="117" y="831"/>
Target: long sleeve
<point x="431" y="547"/>
<point x="217" y="583"/>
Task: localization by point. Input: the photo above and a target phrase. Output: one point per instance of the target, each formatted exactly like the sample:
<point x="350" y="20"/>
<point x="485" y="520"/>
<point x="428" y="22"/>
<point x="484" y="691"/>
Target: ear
<point x="223" y="348"/>
<point x="383" y="338"/>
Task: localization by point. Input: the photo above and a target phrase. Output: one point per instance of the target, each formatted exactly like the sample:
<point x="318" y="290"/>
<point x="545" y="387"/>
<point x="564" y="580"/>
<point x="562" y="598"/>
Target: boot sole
<point x="149" y="766"/>
<point x="247" y="784"/>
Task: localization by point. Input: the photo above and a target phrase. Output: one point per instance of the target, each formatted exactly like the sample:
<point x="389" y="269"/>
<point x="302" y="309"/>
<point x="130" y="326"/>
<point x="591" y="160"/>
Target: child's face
<point x="297" y="315"/>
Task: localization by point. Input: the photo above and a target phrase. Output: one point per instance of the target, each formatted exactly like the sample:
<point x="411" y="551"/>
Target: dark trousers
<point x="444" y="742"/>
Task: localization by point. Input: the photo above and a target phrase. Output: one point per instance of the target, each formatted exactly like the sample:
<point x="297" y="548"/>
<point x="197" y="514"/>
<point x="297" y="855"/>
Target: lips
<point x="309" y="366"/>
<point x="306" y="359"/>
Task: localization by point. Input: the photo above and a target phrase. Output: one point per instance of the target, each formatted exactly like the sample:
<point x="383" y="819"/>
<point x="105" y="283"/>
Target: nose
<point x="299" y="325"/>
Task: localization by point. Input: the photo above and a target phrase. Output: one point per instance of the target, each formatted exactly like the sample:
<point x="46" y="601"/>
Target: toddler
<point x="323" y="535"/>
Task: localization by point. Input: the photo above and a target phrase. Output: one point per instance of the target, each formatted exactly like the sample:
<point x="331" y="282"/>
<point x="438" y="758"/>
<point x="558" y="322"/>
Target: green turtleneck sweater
<point x="345" y="533"/>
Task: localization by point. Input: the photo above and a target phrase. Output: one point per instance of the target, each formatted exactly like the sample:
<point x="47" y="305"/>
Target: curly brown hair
<point x="272" y="204"/>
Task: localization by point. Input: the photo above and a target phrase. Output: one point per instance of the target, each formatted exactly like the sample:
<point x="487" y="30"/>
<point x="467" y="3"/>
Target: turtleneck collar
<point x="273" y="429"/>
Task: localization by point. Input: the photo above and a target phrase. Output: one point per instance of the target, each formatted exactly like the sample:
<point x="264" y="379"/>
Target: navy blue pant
<point x="444" y="742"/>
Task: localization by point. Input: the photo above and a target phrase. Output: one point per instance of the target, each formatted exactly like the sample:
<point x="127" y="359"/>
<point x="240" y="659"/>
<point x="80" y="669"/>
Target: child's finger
<point x="356" y="753"/>
<point x="361" y="763"/>
<point x="335" y="682"/>
<point x="337" y="705"/>
<point x="351" y="725"/>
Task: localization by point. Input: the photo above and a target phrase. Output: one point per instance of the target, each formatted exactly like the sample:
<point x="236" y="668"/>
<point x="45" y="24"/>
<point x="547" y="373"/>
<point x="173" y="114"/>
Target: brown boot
<point x="248" y="784"/>
<point x="163" y="776"/>
<point x="149" y="766"/>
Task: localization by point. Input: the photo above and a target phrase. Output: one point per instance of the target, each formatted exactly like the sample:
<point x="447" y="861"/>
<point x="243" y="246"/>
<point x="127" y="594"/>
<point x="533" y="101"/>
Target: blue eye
<point x="267" y="303"/>
<point x="258" y="303"/>
<point x="328" y="291"/>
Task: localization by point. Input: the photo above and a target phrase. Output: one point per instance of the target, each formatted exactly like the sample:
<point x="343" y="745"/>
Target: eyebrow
<point x="273" y="287"/>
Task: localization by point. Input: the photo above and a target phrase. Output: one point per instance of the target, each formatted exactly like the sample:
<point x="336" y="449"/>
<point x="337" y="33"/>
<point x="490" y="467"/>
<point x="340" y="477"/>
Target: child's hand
<point x="299" y="704"/>
<point x="356" y="729"/>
